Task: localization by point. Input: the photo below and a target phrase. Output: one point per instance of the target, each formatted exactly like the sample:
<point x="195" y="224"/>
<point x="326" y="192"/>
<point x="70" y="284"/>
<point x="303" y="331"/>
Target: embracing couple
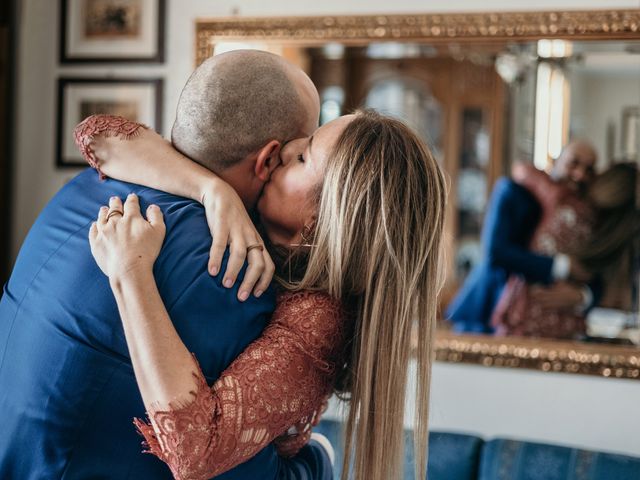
<point x="233" y="369"/>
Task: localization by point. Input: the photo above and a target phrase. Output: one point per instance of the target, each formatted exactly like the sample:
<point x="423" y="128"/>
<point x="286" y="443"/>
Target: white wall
<point x="574" y="410"/>
<point x="589" y="412"/>
<point x="608" y="96"/>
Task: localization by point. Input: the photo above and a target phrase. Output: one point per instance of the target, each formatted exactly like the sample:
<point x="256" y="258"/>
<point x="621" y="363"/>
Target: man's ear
<point x="267" y="160"/>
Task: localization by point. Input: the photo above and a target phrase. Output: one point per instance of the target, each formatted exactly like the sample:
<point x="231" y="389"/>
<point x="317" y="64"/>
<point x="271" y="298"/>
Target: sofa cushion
<point x="452" y="456"/>
<point x="504" y="459"/>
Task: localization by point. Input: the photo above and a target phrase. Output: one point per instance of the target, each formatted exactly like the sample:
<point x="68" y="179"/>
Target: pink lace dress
<point x="282" y="380"/>
<point x="566" y="221"/>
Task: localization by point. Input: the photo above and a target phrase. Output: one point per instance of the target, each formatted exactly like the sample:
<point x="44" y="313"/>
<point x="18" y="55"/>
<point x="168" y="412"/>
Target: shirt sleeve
<point x="509" y="215"/>
<point x="280" y="380"/>
<point x="561" y="267"/>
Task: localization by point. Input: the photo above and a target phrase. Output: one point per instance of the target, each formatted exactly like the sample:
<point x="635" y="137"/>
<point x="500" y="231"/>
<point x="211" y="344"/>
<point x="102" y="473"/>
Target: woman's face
<point x="287" y="203"/>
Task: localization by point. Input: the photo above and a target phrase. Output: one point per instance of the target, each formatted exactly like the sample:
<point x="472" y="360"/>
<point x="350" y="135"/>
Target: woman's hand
<point x="558" y="296"/>
<point x="151" y="160"/>
<point x="231" y="225"/>
<point x="122" y="241"/>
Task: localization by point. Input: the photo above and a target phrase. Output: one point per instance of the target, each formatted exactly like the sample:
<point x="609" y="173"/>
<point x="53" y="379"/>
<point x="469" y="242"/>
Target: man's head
<point x="236" y="111"/>
<point x="576" y="164"/>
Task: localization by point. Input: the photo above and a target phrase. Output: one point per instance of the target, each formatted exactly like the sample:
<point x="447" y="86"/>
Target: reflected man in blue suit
<point x="511" y="218"/>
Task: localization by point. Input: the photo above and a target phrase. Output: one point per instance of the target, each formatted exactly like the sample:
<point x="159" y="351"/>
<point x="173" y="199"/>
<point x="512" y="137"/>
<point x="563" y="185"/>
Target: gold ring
<point x="259" y="246"/>
<point x="114" y="212"/>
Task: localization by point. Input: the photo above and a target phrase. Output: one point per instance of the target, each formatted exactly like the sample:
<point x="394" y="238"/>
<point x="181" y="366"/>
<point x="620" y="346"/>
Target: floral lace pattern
<point x="281" y="380"/>
<point x="276" y="390"/>
<point x="566" y="222"/>
<point x="106" y="126"/>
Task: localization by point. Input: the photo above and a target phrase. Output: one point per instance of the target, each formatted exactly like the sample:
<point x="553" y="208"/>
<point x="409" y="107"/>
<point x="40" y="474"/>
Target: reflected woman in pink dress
<point x="595" y="230"/>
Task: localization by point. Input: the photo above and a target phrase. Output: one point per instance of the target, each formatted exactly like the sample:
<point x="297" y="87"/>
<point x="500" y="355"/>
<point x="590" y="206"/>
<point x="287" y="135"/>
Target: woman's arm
<point x="131" y="152"/>
<point x="537" y="182"/>
<point x="125" y="248"/>
<point x="280" y="380"/>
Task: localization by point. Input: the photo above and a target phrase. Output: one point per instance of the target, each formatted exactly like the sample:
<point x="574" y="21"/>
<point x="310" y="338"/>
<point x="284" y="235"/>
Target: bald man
<point x="510" y="220"/>
<point x="68" y="393"/>
<point x="576" y="165"/>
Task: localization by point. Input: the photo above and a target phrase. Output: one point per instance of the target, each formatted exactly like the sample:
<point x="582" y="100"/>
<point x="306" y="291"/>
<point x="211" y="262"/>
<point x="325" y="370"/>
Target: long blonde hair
<point x="613" y="194"/>
<point x="376" y="247"/>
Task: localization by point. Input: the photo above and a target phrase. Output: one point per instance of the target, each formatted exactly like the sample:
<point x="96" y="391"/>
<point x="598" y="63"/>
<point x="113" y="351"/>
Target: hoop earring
<point x="306" y="236"/>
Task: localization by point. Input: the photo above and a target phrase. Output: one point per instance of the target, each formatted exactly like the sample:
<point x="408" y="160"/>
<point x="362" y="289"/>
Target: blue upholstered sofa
<point x="465" y="457"/>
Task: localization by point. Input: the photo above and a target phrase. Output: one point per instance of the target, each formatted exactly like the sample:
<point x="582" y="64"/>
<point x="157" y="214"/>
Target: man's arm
<point x="509" y="223"/>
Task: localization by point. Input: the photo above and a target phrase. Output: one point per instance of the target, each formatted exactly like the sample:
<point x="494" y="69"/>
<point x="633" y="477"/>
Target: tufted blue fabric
<point x="515" y="460"/>
<point x="452" y="456"/>
<point x="455" y="456"/>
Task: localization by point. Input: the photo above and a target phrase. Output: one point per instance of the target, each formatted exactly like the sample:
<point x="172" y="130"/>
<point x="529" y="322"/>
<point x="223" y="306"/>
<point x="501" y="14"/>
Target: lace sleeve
<point x="107" y="126"/>
<point x="279" y="381"/>
<point x="537" y="182"/>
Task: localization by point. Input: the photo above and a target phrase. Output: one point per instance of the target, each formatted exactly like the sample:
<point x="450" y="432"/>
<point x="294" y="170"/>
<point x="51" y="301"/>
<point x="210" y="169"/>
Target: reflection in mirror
<point x="533" y="255"/>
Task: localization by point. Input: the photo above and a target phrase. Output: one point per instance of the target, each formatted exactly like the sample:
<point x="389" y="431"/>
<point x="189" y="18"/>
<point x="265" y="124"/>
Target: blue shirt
<point x="67" y="388"/>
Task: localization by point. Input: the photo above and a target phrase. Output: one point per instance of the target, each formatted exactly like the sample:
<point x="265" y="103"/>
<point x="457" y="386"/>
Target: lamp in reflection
<point x="554" y="48"/>
<point x="333" y="51"/>
<point x="331" y="101"/>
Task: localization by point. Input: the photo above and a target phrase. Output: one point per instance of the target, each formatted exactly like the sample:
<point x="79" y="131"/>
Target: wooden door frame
<point x="8" y="19"/>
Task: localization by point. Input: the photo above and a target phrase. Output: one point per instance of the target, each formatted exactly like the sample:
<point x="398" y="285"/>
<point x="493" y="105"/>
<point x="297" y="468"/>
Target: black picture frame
<point x="67" y="154"/>
<point x="117" y="54"/>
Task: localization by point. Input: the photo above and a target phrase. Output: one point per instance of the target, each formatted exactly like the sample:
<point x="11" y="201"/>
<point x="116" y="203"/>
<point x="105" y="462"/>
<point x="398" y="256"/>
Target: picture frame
<point x="112" y="31"/>
<point x="138" y="99"/>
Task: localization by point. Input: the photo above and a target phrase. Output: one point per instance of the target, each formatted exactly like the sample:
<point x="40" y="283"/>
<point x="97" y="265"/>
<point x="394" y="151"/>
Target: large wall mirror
<point x="491" y="93"/>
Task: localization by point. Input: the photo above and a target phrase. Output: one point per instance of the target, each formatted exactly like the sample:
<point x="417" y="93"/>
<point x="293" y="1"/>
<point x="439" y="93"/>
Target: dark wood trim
<point x="8" y="27"/>
<point x="156" y="82"/>
<point x="160" y="41"/>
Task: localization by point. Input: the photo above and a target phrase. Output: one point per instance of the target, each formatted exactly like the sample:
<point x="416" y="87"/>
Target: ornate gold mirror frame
<point x="458" y="27"/>
<point x="510" y="352"/>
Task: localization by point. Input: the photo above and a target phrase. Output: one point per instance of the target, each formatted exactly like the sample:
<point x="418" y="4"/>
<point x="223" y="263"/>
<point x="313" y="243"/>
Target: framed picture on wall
<point x="137" y="99"/>
<point x="98" y="31"/>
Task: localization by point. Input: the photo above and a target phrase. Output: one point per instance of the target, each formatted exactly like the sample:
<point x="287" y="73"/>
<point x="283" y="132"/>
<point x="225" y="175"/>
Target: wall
<point x="608" y="96"/>
<point x="576" y="410"/>
<point x="591" y="412"/>
<point x="598" y="99"/>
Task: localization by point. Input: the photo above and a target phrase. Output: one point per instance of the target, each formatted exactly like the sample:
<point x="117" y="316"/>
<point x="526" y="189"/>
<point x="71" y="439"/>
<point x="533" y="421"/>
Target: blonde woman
<point x="359" y="208"/>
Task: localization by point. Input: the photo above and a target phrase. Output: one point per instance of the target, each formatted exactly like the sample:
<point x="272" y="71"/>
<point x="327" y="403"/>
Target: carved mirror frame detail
<point x="458" y="27"/>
